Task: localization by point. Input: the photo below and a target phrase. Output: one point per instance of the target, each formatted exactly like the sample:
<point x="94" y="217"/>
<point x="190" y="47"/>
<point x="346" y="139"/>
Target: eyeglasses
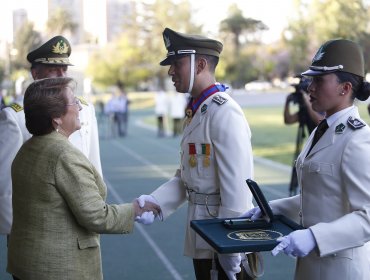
<point x="75" y="102"/>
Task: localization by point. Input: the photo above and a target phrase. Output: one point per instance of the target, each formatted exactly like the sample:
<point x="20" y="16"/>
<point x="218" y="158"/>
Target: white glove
<point x="230" y="263"/>
<point x="254" y="214"/>
<point x="141" y="201"/>
<point x="299" y="243"/>
<point x="146" y="218"/>
<point x="144" y="197"/>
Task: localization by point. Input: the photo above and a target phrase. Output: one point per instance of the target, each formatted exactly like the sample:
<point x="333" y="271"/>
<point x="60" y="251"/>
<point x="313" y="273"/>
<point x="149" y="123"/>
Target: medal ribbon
<point x="192" y="155"/>
<point x="195" y="103"/>
<point x="206" y="151"/>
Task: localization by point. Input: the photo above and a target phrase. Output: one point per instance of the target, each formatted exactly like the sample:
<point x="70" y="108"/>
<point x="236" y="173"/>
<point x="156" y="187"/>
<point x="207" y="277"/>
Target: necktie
<point x="321" y="128"/>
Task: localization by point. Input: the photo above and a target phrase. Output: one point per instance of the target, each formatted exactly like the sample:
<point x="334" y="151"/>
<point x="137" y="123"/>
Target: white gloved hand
<point x="146" y="218"/>
<point x="230" y="263"/>
<point x="299" y="243"/>
<point x="254" y="214"/>
<point x="143" y="198"/>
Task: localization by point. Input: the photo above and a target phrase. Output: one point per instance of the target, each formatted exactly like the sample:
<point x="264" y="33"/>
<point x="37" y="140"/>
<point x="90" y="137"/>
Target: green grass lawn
<point x="271" y="138"/>
<point x="274" y="140"/>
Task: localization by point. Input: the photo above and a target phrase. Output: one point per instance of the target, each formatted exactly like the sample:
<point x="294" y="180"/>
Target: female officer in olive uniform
<point x="49" y="60"/>
<point x="334" y="204"/>
<point x="216" y="154"/>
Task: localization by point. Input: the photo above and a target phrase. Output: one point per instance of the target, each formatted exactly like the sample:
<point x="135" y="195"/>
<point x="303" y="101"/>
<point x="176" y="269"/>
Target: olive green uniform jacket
<point x="59" y="210"/>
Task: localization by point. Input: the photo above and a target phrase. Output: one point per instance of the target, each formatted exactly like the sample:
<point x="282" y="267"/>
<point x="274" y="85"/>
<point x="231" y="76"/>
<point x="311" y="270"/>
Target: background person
<point x="161" y="111"/>
<point x="49" y="60"/>
<point x="177" y="112"/>
<point x="305" y="114"/>
<point x="216" y="153"/>
<point x="58" y="195"/>
<point x="334" y="204"/>
<point x="306" y="118"/>
<point x="121" y="113"/>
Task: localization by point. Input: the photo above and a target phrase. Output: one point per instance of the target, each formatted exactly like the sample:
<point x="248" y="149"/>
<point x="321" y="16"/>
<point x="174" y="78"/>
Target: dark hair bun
<point x="364" y="91"/>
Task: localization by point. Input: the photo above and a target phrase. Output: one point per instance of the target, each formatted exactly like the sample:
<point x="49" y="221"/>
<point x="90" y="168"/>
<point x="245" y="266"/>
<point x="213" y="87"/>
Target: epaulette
<point x="16" y="107"/>
<point x="355" y="123"/>
<point x="82" y="100"/>
<point x="219" y="99"/>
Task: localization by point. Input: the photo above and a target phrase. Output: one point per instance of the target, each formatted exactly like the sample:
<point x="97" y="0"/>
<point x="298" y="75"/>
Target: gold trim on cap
<point x="52" y="60"/>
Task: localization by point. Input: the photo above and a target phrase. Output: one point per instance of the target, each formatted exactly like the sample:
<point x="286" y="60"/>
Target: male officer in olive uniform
<point x="49" y="60"/>
<point x="216" y="153"/>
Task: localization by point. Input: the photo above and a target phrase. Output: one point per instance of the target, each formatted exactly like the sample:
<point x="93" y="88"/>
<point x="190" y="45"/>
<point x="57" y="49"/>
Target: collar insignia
<point x="61" y="47"/>
<point x="339" y="128"/>
<point x="219" y="99"/>
<point x="204" y="108"/>
<point x="355" y="123"/>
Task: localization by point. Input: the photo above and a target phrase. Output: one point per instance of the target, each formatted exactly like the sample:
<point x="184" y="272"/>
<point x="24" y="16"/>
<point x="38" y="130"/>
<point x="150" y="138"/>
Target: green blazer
<point x="59" y="210"/>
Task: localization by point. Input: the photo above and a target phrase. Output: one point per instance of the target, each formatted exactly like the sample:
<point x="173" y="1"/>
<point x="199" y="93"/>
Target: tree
<point x="318" y="21"/>
<point x="26" y="39"/>
<point x="238" y="25"/>
<point x="61" y="21"/>
<point x="338" y="19"/>
<point x="238" y="61"/>
<point x="134" y="57"/>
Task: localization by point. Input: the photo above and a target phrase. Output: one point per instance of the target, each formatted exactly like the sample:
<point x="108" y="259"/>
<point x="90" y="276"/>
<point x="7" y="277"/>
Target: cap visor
<point x="316" y="73"/>
<point x="166" y="61"/>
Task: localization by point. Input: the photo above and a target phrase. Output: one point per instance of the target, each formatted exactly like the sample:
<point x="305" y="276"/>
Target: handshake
<point x="146" y="209"/>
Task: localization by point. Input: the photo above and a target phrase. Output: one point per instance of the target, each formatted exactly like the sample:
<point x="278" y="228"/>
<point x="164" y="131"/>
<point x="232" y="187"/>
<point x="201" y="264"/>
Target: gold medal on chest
<point x="192" y="161"/>
<point x="206" y="161"/>
<point x="189" y="115"/>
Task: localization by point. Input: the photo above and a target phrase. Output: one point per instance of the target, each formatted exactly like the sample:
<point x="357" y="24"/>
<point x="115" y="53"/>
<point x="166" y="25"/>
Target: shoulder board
<point x="82" y="100"/>
<point x="219" y="99"/>
<point x="355" y="123"/>
<point x="16" y="107"/>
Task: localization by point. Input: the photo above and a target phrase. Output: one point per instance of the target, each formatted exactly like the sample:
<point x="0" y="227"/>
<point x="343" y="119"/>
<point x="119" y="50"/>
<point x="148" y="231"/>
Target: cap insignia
<point x="339" y="128"/>
<point x="61" y="47"/>
<point x="318" y="55"/>
<point x="167" y="41"/>
<point x="355" y="123"/>
<point x="219" y="99"/>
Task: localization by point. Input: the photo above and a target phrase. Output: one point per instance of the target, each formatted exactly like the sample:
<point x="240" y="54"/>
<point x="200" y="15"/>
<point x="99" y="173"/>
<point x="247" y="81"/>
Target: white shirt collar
<point x="332" y="119"/>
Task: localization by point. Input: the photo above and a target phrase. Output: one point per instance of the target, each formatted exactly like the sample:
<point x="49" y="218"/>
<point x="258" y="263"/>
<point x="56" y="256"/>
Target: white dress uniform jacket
<point x="13" y="133"/>
<point x="225" y="129"/>
<point x="334" y="201"/>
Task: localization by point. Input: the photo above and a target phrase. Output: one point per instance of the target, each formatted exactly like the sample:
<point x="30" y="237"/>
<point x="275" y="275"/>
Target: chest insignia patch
<point x="339" y="128"/>
<point x="355" y="123"/>
<point x="204" y="108"/>
<point x="16" y="107"/>
<point x="219" y="99"/>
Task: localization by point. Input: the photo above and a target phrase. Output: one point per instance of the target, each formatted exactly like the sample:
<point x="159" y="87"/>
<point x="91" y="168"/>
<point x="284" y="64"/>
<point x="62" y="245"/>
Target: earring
<point x="342" y="93"/>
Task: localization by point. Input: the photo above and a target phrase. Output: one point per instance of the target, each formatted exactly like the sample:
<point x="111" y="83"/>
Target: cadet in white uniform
<point x="333" y="173"/>
<point x="216" y="153"/>
<point x="49" y="60"/>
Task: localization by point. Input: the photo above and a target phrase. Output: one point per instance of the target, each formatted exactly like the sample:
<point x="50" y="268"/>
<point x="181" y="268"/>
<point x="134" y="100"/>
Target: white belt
<point x="212" y="199"/>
